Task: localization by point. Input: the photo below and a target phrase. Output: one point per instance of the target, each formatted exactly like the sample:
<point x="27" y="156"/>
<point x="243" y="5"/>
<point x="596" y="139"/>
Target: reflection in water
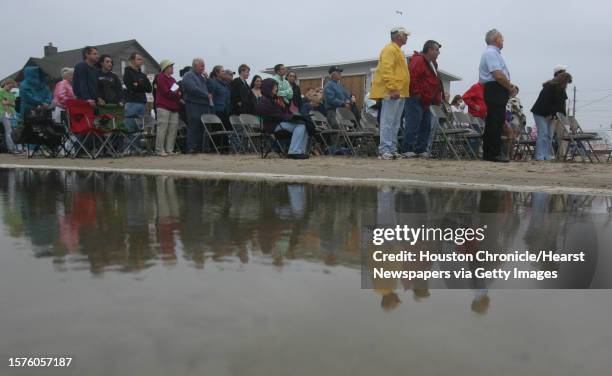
<point x="232" y="266"/>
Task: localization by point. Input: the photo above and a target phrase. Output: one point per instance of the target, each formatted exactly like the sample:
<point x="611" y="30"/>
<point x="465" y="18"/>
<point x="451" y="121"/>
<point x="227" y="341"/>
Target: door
<point x="355" y="85"/>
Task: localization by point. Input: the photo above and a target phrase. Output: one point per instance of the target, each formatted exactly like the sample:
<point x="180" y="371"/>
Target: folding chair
<point x="241" y="134"/>
<point x="326" y="135"/>
<point x="446" y="141"/>
<point x="213" y="126"/>
<point x="575" y="141"/>
<point x="251" y="126"/>
<point x="473" y="136"/>
<point x="81" y="131"/>
<point x="358" y="139"/>
<point x="41" y="135"/>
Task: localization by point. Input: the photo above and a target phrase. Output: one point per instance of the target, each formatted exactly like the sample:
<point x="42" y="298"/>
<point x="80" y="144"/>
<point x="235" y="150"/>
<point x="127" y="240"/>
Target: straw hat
<point x="165" y="64"/>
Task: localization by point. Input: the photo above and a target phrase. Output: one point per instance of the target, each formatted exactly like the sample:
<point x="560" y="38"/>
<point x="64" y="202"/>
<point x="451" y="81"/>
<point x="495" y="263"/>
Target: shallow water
<point x="146" y="275"/>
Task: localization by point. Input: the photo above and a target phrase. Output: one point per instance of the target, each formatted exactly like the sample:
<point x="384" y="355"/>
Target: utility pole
<point x="574" y="102"/>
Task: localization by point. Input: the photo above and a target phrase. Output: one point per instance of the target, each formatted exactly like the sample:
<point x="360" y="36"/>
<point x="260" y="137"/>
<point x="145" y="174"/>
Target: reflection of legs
<point x="297" y="199"/>
<point x="299" y="138"/>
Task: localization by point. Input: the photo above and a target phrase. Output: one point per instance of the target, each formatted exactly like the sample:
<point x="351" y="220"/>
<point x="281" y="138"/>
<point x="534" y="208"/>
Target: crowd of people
<point x="402" y="92"/>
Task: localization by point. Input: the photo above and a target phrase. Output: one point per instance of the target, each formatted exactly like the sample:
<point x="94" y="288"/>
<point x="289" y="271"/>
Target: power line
<point x="595" y="101"/>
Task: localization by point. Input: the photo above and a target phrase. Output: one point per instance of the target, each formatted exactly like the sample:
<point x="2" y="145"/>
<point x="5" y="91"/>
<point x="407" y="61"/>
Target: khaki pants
<point x="167" y="126"/>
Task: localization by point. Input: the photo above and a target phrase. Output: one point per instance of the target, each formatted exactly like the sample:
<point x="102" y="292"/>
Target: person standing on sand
<point x="391" y="84"/>
<point x="495" y="76"/>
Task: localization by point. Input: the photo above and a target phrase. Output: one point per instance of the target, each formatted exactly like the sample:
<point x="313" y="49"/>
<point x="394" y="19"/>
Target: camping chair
<point x="357" y="138"/>
<point x="108" y="124"/>
<point x="446" y="141"/>
<point x="252" y="130"/>
<point x="81" y="131"/>
<point x="213" y="126"/>
<point x="41" y="136"/>
<point x="575" y="141"/>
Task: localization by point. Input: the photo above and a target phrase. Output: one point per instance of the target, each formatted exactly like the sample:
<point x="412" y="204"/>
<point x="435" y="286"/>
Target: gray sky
<point x="539" y="34"/>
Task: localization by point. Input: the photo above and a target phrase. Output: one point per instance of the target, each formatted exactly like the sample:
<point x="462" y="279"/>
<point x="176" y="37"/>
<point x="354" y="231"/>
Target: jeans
<point x="417" y="126"/>
<point x="194" y="112"/>
<point x="8" y="140"/>
<point x="390" y="119"/>
<point x="544" y="140"/>
<point x="133" y="110"/>
<point x="167" y="126"/>
<point x="299" y="138"/>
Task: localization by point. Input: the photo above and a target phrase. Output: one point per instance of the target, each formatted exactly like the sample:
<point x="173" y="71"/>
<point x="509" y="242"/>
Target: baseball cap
<point x="400" y="29"/>
<point x="334" y="69"/>
<point x="559" y="68"/>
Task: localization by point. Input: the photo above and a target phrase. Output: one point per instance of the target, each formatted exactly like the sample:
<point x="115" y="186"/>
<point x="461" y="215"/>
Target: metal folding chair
<point x="251" y="125"/>
<point x="358" y="139"/>
<point x="446" y="141"/>
<point x="577" y="143"/>
<point x="213" y="126"/>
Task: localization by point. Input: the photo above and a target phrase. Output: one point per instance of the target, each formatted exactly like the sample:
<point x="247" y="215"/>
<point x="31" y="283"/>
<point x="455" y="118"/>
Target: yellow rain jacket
<point x="391" y="73"/>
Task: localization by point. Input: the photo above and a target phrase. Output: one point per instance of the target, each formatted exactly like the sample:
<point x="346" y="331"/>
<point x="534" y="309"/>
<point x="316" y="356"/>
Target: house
<point x="356" y="78"/>
<point x="53" y="60"/>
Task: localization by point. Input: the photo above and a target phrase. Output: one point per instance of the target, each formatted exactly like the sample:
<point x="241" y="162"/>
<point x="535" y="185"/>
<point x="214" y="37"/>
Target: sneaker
<point x="423" y="155"/>
<point x="409" y="154"/>
<point x="387" y="156"/>
<point x="398" y="156"/>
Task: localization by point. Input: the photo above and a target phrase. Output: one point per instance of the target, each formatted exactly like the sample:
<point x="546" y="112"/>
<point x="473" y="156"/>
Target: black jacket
<point x="109" y="88"/>
<point x="242" y="99"/>
<point x="297" y="96"/>
<point x="137" y="85"/>
<point x="550" y="101"/>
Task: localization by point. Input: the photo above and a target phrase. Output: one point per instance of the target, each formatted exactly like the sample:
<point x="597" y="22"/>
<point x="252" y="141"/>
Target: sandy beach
<point x="521" y="176"/>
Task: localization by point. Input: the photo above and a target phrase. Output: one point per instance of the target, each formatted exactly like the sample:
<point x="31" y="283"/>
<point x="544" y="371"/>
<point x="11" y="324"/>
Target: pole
<point x="574" y="104"/>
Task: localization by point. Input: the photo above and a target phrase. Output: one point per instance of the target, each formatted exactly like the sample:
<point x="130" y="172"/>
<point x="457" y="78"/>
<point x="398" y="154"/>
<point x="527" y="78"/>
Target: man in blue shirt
<point x="85" y="81"/>
<point x="335" y="95"/>
<point x="198" y="101"/>
<point x="495" y="76"/>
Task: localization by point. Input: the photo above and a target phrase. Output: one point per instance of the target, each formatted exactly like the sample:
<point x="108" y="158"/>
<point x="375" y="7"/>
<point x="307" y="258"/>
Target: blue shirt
<point x="85" y="82"/>
<point x="490" y="61"/>
<point x="221" y="94"/>
<point x="335" y="95"/>
<point x="195" y="88"/>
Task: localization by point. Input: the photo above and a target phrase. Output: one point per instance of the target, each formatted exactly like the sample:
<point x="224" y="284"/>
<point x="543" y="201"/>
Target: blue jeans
<point x="544" y="140"/>
<point x="417" y="126"/>
<point x="133" y="110"/>
<point x="195" y="132"/>
<point x="299" y="138"/>
<point x="8" y="128"/>
<point x="390" y="119"/>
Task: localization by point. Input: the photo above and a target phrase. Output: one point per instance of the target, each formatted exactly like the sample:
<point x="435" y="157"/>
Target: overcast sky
<point x="539" y="34"/>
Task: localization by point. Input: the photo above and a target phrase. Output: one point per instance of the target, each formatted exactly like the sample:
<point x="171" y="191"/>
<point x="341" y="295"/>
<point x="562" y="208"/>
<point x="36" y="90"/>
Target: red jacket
<point x="475" y="97"/>
<point x="164" y="97"/>
<point x="424" y="81"/>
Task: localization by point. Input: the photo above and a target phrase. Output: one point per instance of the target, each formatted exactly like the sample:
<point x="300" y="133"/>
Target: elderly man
<point x="197" y="102"/>
<point x="425" y="90"/>
<point x="335" y="95"/>
<point x="495" y="76"/>
<point x="391" y="84"/>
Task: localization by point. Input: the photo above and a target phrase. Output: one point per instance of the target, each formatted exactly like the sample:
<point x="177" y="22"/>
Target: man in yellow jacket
<point x="391" y="84"/>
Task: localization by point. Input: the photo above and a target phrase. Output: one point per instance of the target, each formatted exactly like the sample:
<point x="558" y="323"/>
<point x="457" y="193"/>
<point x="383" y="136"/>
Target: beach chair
<point x="214" y="127"/>
<point x="41" y="136"/>
<point x="576" y="143"/>
<point x="82" y="134"/>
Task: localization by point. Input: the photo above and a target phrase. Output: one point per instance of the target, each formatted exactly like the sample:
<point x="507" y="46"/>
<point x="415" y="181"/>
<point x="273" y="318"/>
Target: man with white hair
<point x="495" y="76"/>
<point x="197" y="102"/>
<point x="391" y="84"/>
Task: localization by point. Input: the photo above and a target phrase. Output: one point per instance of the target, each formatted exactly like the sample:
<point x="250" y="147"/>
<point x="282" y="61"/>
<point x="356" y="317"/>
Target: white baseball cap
<point x="400" y="29"/>
<point x="559" y="68"/>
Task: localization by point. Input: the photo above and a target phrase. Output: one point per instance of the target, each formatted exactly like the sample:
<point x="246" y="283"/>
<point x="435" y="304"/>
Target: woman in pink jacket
<point x="62" y="93"/>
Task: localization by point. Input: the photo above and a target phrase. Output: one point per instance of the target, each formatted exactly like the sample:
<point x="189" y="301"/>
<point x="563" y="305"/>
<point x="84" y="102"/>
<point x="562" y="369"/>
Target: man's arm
<point x="501" y="79"/>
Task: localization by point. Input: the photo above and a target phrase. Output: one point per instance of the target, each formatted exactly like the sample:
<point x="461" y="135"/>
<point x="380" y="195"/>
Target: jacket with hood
<point x="33" y="90"/>
<point x="271" y="107"/>
<point x="391" y="73"/>
<point x="475" y="97"/>
<point x="137" y="85"/>
<point x="424" y="81"/>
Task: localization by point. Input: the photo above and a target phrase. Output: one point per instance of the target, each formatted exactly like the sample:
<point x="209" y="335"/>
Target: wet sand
<point x="520" y="176"/>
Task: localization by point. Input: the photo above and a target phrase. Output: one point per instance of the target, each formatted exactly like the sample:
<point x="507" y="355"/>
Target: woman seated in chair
<point x="277" y="117"/>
